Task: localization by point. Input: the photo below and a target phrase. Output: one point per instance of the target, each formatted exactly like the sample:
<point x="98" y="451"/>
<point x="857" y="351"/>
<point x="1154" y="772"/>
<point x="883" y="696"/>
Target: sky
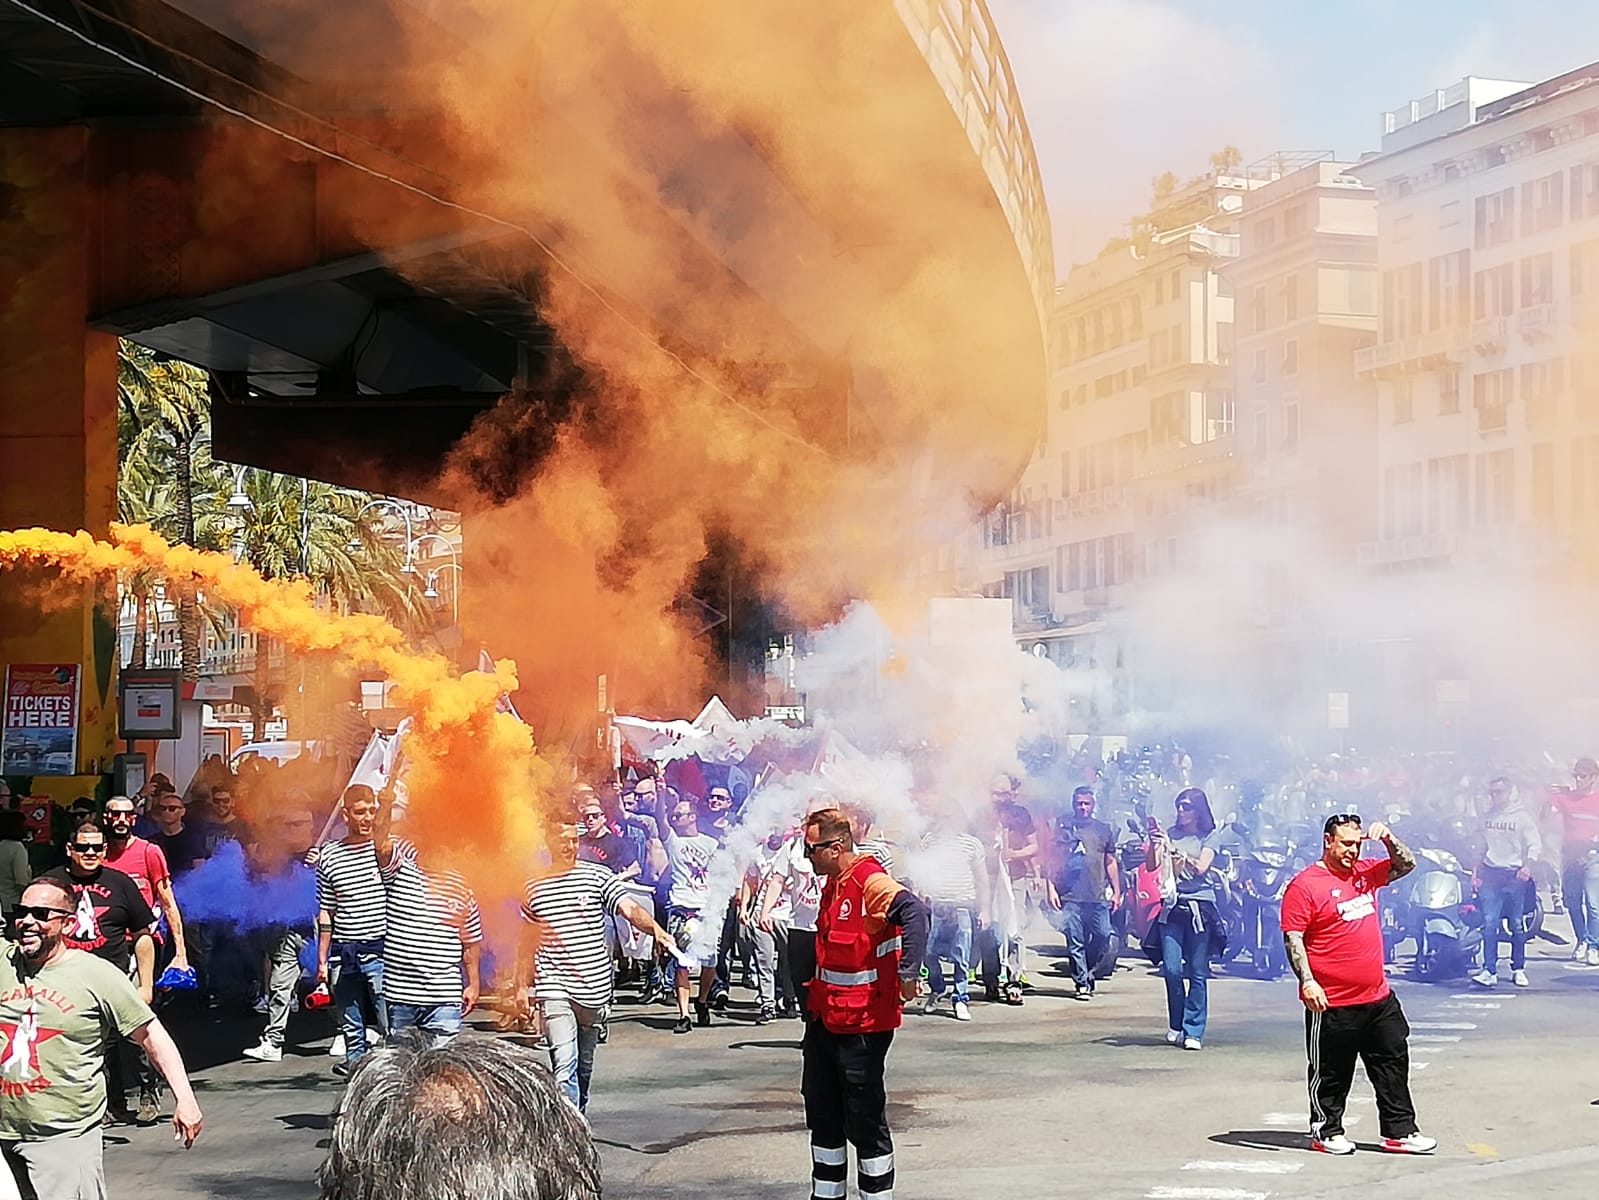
<point x="1119" y="91"/>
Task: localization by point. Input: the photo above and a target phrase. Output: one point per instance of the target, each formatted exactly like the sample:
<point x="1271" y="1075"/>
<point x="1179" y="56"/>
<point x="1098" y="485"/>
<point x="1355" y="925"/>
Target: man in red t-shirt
<point x="1579" y="840"/>
<point x="1334" y="941"/>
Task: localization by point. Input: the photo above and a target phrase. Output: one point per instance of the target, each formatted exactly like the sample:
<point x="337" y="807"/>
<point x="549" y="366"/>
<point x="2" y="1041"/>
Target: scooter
<point x="1266" y="872"/>
<point x="1140" y="888"/>
<point x="1446" y="926"/>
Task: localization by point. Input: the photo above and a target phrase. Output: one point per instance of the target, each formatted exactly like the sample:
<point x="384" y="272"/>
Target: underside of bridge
<point x="250" y="189"/>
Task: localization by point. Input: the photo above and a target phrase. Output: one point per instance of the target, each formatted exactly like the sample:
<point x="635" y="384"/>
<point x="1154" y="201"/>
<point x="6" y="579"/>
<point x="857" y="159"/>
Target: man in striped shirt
<point x="952" y="873"/>
<point x="432" y="946"/>
<point x="565" y="955"/>
<point x="352" y="921"/>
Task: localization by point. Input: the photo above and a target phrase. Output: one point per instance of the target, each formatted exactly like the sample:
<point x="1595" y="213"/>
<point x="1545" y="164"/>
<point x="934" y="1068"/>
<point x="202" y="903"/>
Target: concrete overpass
<point x="252" y="190"/>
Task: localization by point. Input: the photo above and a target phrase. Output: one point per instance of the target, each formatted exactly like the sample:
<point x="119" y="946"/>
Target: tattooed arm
<point x="1400" y="855"/>
<point x="1309" y="990"/>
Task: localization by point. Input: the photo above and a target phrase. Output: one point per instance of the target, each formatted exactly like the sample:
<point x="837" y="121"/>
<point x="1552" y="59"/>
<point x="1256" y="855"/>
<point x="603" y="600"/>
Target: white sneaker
<point x="1519" y="978"/>
<point x="1593" y="956"/>
<point x="930" y="1001"/>
<point x="374" y="1036"/>
<point x="262" y="1003"/>
<point x="1174" y="1037"/>
<point x="1337" y="1144"/>
<point x="336" y="1050"/>
<point x="265" y="1052"/>
<point x="1485" y="978"/>
<point x="963" y="1011"/>
<point x="1192" y="1044"/>
<point x="1580" y="954"/>
<point x="1416" y="1143"/>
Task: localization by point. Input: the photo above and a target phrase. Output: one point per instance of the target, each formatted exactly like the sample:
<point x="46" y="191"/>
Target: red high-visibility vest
<point x="856" y="986"/>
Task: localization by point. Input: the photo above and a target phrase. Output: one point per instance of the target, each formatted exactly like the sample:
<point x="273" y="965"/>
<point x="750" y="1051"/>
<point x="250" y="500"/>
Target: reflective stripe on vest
<point x="892" y="946"/>
<point x="847" y="978"/>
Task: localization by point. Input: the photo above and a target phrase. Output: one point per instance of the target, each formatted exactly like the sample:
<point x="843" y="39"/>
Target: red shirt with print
<point x="1343" y="935"/>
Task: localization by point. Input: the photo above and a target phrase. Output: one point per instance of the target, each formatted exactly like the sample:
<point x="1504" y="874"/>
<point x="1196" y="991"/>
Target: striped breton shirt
<point x="350" y="889"/>
<point x="433" y="916"/>
<point x="947" y="868"/>
<point x="567" y="911"/>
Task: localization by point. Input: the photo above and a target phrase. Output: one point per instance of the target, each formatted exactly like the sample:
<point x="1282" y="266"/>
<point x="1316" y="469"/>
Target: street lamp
<point x="239" y="502"/>
<point x="405" y="515"/>
<point x="431" y="592"/>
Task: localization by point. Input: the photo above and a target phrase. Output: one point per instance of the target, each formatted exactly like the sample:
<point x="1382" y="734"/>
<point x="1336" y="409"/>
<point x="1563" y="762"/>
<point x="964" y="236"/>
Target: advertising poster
<point x="40" y="733"/>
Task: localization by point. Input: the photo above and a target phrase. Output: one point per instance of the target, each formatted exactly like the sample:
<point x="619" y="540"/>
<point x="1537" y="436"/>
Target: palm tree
<point x="164" y="434"/>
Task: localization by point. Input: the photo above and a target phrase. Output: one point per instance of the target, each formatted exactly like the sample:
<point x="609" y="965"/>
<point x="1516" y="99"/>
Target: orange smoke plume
<point x="461" y="754"/>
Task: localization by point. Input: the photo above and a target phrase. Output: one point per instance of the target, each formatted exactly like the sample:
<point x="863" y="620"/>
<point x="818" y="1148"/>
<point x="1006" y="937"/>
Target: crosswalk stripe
<point x="1167" y="1192"/>
<point x="1475" y="1006"/>
<point x="1479" y="995"/>
<point x="1246" y="1167"/>
<point x="1435" y="1037"/>
<point x="1442" y="1025"/>
<point x="1420" y="1066"/>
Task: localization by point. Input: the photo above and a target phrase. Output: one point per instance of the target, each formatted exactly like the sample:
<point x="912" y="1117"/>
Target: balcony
<point x="1388" y="552"/>
<point x="1540" y="323"/>
<point x="1492" y="336"/>
<point x="1404" y="356"/>
<point x="1100" y="500"/>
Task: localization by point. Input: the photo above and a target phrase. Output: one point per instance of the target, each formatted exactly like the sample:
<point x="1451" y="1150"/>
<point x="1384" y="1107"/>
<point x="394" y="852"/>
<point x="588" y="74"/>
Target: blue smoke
<point x="224" y="889"/>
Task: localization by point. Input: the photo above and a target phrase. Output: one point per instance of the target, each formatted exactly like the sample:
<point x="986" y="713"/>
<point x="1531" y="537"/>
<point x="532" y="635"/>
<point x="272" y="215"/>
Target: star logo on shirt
<point x="20" y="1060"/>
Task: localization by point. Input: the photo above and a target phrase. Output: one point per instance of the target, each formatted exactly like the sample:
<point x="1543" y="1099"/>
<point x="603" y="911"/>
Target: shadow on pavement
<point x="1126" y="1040"/>
<point x="1263" y="1139"/>
<point x="307" y="1120"/>
<point x="763" y="1045"/>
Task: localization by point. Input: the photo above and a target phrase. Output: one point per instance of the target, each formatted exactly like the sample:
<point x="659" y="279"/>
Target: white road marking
<point x="1247" y="1168"/>
<point x="1164" y="1192"/>
<point x="1299" y="1120"/>
<point x="1435" y="1037"/>
<point x="1420" y="1066"/>
<point x="1480" y="995"/>
<point x="1442" y="1025"/>
<point x="1478" y="1006"/>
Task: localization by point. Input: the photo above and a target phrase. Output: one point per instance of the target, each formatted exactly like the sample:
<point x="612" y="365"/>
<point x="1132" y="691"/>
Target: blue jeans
<point x="1185" y="959"/>
<point x="442" y="1021"/>
<point x="1086" y="925"/>
<point x="573" y="1031"/>
<point x="358" y="995"/>
<point x="1579" y="887"/>
<point x="1503" y="897"/>
<point x="952" y="939"/>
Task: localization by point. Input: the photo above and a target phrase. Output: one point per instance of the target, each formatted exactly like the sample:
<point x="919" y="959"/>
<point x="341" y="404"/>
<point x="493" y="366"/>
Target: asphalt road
<point x="1054" y="1098"/>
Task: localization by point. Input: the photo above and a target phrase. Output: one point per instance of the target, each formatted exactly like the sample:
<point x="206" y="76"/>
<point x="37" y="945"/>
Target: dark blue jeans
<point x="952" y="939"/>
<point x="1185" y="962"/>
<point x="1086" y="926"/>
<point x="1503" y="898"/>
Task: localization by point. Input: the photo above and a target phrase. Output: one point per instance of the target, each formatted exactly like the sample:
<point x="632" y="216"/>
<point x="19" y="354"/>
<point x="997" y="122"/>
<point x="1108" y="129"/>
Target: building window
<point x="1260" y="366"/>
<point x="1404" y="302"/>
<point x="1541" y="384"/>
<point x="1257" y="309"/>
<point x="1291" y="298"/>
<point x="1543" y="483"/>
<point x="1542" y="204"/>
<point x="1404" y="402"/>
<point x="1449" y="393"/>
<point x="1585" y="268"/>
<point x="1448" y="214"/>
<point x="1447" y="495"/>
<point x="1291" y="356"/>
<point x="1404" y="227"/>
<point x="1177" y="284"/>
<point x="1495" y="292"/>
<point x="1491" y="394"/>
<point x="1265" y="232"/>
<point x="1262" y="432"/>
<point x="1496" y="218"/>
<point x="1585" y="191"/>
<point x="1449" y="291"/>
<point x="1160" y="289"/>
<point x="1584" y="475"/>
<point x="1294" y="221"/>
<point x="1290" y="425"/>
<point x="1065" y="472"/>
<point x="1496" y="487"/>
<point x="1537" y="280"/>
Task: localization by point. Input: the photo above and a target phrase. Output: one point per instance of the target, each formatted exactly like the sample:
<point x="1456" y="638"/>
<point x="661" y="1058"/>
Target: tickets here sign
<point x="40" y="731"/>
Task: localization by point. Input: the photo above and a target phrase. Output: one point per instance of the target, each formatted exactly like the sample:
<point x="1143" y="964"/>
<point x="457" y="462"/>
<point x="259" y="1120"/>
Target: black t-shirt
<point x="617" y="853"/>
<point x="109" y="909"/>
<point x="183" y="848"/>
<point x="1079" y="859"/>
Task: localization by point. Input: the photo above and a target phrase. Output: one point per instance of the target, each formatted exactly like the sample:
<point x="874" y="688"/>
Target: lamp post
<point x="432" y="590"/>
<point x="405" y="515"/>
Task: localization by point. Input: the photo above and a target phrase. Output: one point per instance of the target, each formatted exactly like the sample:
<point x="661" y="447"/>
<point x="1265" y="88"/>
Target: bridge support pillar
<point x="58" y="424"/>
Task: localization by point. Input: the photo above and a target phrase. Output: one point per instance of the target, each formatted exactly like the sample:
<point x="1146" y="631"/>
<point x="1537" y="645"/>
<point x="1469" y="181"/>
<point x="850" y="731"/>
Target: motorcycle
<point x="1447" y="926"/>
<point x="1265" y="875"/>
<point x="1141" y="902"/>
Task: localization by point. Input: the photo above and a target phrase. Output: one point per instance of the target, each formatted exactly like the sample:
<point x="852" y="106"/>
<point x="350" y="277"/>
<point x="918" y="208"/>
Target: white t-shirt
<point x="801" y="896"/>
<point x="689" y="860"/>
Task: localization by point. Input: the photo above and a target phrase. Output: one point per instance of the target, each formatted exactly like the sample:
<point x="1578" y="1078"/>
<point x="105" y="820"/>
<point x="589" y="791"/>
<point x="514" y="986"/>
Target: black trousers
<point x="801" y="953"/>
<point x="1376" y="1034"/>
<point x="845" y="1103"/>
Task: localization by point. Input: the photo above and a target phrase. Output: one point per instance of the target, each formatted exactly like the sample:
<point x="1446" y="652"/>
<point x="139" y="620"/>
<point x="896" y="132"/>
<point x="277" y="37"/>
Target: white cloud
<point x="1118" y="91"/>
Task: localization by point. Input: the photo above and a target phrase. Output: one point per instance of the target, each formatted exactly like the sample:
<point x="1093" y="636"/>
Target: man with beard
<point x="59" y="1008"/>
<point x="1085" y="887"/>
<point x="111" y="921"/>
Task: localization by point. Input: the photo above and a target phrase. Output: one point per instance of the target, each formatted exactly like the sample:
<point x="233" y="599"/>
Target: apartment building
<point x="1140" y="424"/>
<point x="1488" y="211"/>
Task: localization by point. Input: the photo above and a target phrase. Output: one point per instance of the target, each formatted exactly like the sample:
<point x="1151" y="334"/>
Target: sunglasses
<point x="40" y="912"/>
<point x="1184" y="806"/>
<point x="169" y="808"/>
<point x="594" y="816"/>
<point x="119" y="815"/>
<point x="89" y="847"/>
<point x="812" y="847"/>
